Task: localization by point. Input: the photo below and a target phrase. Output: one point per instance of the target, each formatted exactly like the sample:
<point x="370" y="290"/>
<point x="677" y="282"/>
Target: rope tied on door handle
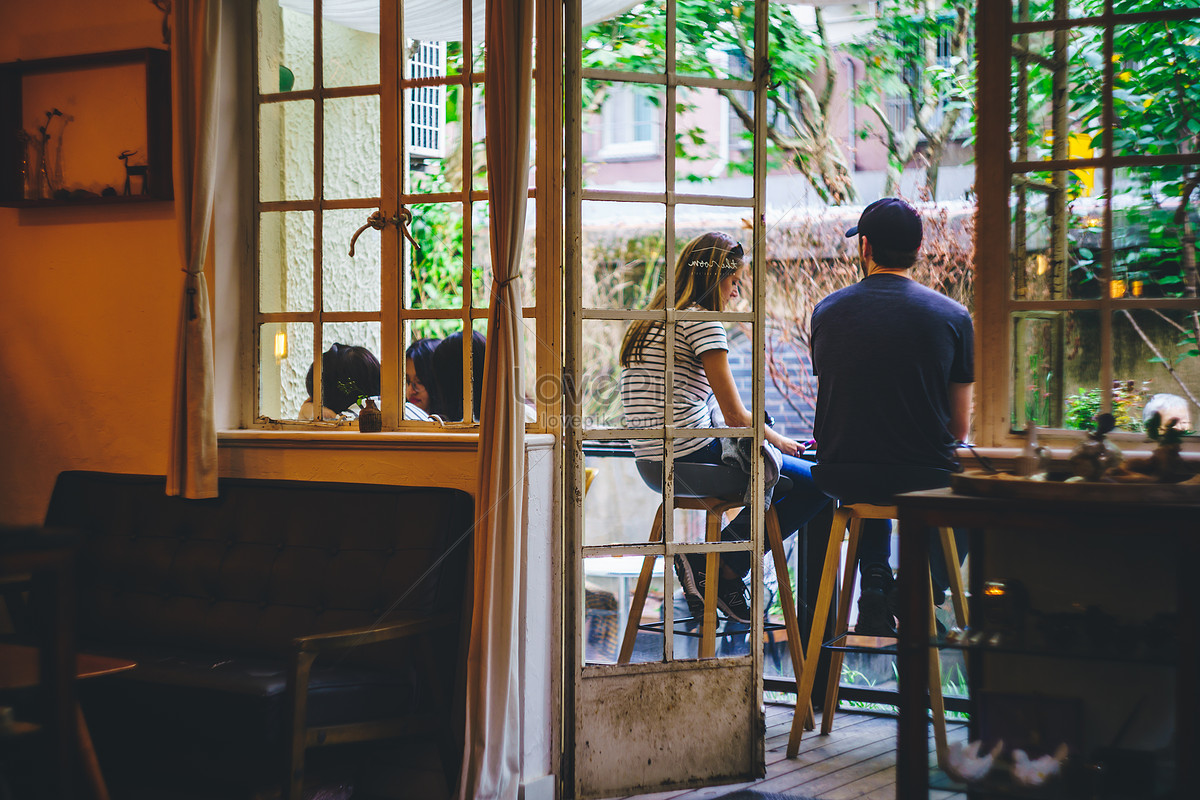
<point x="401" y="219"/>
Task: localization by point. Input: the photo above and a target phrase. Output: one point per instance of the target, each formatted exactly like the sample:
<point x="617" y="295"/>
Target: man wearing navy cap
<point x="894" y="362"/>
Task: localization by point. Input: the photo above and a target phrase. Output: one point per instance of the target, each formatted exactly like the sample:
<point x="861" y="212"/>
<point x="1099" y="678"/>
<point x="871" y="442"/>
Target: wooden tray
<point x="982" y="484"/>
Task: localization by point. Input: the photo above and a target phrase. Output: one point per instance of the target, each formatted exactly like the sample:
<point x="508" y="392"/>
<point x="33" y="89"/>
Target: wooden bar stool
<point x="714" y="489"/>
<point x="849" y="518"/>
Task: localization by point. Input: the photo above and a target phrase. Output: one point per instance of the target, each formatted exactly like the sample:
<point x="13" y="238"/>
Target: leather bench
<point x="227" y="603"/>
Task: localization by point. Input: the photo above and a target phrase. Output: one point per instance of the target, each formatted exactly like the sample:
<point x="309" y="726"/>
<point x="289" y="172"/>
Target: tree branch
<point x="1159" y="355"/>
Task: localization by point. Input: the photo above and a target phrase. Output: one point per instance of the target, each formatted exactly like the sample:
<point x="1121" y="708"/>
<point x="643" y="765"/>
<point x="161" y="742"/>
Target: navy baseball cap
<point x="890" y="223"/>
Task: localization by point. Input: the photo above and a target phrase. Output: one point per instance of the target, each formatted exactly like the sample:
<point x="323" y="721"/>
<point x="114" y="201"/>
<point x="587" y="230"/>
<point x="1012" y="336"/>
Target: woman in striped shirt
<point x="708" y="275"/>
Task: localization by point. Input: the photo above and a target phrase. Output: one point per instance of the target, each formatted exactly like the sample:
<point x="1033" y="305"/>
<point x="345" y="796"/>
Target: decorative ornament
<point x="370" y="419"/>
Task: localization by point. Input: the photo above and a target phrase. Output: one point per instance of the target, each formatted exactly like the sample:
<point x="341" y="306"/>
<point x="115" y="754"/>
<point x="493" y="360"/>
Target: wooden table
<point x="1148" y="525"/>
<point x="19" y="669"/>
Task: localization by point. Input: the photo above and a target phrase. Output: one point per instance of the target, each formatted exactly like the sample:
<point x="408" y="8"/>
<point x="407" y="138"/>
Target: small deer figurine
<point x="140" y="170"/>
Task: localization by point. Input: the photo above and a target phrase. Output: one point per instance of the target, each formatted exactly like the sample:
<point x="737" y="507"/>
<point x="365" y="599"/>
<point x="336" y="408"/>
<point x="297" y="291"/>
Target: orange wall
<point x="89" y="297"/>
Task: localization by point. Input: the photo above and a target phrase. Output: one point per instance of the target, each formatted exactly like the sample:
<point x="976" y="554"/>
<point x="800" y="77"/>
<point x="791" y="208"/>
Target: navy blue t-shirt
<point x="884" y="352"/>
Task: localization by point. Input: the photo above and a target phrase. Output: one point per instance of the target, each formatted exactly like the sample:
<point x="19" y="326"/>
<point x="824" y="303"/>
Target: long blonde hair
<point x="699" y="270"/>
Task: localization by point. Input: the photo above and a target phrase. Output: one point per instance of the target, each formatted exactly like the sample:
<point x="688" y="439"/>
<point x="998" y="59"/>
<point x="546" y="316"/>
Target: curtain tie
<point x="193" y="312"/>
<point x="508" y="280"/>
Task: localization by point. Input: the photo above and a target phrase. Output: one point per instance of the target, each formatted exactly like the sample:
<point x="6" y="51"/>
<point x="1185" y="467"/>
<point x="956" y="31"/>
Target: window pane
<point x="624" y="252"/>
<point x="600" y="390"/>
<point x="610" y="584"/>
<point x="350" y="46"/>
<point x="479" y="140"/>
<point x="1038" y="373"/>
<point x="285" y="261"/>
<point x="623" y="136"/>
<point x="1157" y="87"/>
<point x="285" y="170"/>
<point x="454" y="52"/>
<point x="1033" y="82"/>
<point x="1080" y="367"/>
<point x="1146" y="342"/>
<point x="437" y="268"/>
<point x="712" y="38"/>
<point x="547" y="390"/>
<point x="695" y="220"/>
<point x="285" y="49"/>
<point x="714" y="143"/>
<point x="354" y="334"/>
<point x="352" y="148"/>
<point x="285" y="355"/>
<point x="458" y="376"/>
<point x="350" y="284"/>
<point x="1057" y="235"/>
<point x="1149" y="250"/>
<point x="634" y="41"/>
<point x="777" y="656"/>
<point x="481" y="255"/>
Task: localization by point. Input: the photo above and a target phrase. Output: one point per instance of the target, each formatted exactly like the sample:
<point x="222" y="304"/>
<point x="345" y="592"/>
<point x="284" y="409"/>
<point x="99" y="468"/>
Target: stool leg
<point x="936" y="704"/>
<point x="712" y="568"/>
<point x="841" y="624"/>
<point x="805" y="682"/>
<point x="638" y="601"/>
<point x="954" y="570"/>
<point x="788" y="603"/>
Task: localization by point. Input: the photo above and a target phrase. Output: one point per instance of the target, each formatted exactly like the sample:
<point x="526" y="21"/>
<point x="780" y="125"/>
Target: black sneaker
<point x="876" y="602"/>
<point x="732" y="599"/>
<point x="691" y="580"/>
<point x="874" y="618"/>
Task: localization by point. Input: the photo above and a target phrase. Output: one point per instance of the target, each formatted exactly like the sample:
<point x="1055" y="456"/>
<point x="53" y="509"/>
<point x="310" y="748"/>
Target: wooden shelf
<point x="102" y="98"/>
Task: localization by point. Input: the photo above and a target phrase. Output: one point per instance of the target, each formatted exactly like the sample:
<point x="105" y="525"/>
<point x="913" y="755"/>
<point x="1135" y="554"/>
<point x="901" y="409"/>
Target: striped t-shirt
<point x="643" y="385"/>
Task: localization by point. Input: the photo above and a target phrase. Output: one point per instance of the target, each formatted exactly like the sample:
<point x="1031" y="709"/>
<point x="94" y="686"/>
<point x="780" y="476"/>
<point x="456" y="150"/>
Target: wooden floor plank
<point x="856" y="760"/>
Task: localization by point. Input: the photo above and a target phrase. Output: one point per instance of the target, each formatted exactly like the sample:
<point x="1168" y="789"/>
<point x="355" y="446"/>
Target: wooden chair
<point x="847" y="525"/>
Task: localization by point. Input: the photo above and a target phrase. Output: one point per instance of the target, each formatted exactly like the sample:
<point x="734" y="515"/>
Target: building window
<point x="427" y="104"/>
<point x="1090" y="288"/>
<point x="356" y="155"/>
<point x="630" y="125"/>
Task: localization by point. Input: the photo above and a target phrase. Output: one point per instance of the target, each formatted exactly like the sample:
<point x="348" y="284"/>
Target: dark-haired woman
<point x="419" y="380"/>
<point x="447" y="363"/>
<point x="348" y="372"/>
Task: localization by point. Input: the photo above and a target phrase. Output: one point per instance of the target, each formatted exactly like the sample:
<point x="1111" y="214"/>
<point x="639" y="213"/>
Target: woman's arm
<point x="720" y="379"/>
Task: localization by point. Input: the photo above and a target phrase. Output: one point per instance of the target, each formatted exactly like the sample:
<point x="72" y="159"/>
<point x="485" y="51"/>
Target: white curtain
<point x="491" y="767"/>
<point x="192" y="469"/>
<point x="434" y="20"/>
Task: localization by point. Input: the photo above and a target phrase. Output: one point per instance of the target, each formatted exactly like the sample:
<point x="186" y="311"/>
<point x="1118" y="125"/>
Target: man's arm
<point x="960" y="410"/>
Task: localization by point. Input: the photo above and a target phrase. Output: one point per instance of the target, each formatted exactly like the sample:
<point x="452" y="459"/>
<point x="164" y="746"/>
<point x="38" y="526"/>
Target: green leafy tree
<point x="919" y="50"/>
<point x="710" y="37"/>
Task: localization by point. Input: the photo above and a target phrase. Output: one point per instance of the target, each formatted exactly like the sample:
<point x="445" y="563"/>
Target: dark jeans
<point x="794" y="508"/>
<point x="875" y="546"/>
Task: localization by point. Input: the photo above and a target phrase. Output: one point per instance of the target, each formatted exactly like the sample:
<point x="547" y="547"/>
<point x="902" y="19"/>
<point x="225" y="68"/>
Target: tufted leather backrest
<point x="264" y="562"/>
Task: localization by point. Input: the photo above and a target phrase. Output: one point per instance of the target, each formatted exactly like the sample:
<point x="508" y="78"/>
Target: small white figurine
<point x="964" y="764"/>
<point x="1035" y="772"/>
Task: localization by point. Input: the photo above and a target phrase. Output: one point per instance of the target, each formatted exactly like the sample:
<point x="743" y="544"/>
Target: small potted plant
<point x="370" y="418"/>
